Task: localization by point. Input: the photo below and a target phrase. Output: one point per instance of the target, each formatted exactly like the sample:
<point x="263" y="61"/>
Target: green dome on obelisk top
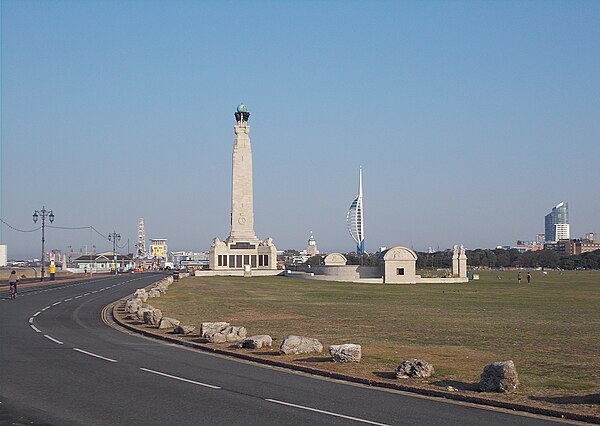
<point x="242" y="108"/>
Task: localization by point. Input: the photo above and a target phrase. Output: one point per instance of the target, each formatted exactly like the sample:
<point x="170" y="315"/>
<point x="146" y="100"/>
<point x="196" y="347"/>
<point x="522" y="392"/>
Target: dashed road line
<point x="179" y="378"/>
<point x="46" y="308"/>
<point x="53" y="339"/>
<point x="329" y="413"/>
<point x="57" y="303"/>
<point x="77" y="297"/>
<point x="94" y="355"/>
<point x="37" y="330"/>
<point x="37" y="313"/>
<point x="68" y="300"/>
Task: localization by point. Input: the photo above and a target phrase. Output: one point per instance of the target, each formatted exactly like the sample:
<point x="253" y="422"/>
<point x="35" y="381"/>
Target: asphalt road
<point x="60" y="364"/>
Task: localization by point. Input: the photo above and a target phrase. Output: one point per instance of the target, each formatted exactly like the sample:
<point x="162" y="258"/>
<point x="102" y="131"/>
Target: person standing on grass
<point x="12" y="282"/>
<point x="519" y="277"/>
<point x="528" y="278"/>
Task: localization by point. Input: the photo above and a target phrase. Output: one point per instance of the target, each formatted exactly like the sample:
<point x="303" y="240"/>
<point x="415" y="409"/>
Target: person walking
<point x="519" y="277"/>
<point x="528" y="278"/>
<point x="12" y="282"/>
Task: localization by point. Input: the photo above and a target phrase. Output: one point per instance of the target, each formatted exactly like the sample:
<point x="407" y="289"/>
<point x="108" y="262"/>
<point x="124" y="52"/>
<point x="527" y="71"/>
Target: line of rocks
<point x="138" y="308"/>
<point x="496" y="377"/>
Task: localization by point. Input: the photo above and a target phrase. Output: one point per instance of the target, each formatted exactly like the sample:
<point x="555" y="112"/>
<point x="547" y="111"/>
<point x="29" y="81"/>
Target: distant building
<point x="103" y="262"/>
<point x="3" y="255"/>
<point x="311" y="249"/>
<point x="557" y="223"/>
<point x="53" y="256"/>
<point x="523" y="246"/>
<point x="575" y="246"/>
<point x="190" y="258"/>
<point x="158" y="248"/>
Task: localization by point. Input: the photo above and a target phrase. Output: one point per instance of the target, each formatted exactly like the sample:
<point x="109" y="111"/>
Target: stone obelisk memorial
<point x="242" y="250"/>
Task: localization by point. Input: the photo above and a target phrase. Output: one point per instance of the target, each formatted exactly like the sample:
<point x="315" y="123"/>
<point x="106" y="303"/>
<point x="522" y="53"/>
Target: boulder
<point x="293" y="345"/>
<point x="152" y="316"/>
<point x="140" y="314"/>
<point x="257" y="342"/>
<point x="154" y="292"/>
<point x="132" y="305"/>
<point x="161" y="287"/>
<point x="207" y="329"/>
<point x="414" y="368"/>
<point x="140" y="293"/>
<point x="166" y="322"/>
<point x="231" y="333"/>
<point x="348" y="352"/>
<point x="184" y="329"/>
<point x="499" y="377"/>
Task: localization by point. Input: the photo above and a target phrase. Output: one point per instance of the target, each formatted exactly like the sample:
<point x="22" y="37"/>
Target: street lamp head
<point x="51" y="216"/>
<point x="35" y="216"/>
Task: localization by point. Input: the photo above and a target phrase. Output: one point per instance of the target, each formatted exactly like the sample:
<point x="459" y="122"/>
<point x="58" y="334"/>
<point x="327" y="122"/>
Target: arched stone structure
<point x="400" y="265"/>
<point x="335" y="259"/>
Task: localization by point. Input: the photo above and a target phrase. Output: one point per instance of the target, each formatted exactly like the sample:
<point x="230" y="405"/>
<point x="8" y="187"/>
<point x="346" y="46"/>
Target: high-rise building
<point x="557" y="223"/>
<point x="141" y="246"/>
<point x="354" y="218"/>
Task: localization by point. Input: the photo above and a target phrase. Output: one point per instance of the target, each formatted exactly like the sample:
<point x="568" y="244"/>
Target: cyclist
<point x="12" y="281"/>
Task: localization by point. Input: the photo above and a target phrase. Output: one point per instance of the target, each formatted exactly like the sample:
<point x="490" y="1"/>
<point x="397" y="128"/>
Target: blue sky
<point x="471" y="120"/>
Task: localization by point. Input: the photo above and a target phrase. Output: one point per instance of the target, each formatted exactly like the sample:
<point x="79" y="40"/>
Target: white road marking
<point x="95" y="291"/>
<point x="53" y="339"/>
<point x="68" y="300"/>
<point x="37" y="330"/>
<point x="329" y="413"/>
<point x="57" y="303"/>
<point x="46" y="308"/>
<point x="86" y="294"/>
<point x="37" y="313"/>
<point x="94" y="355"/>
<point x="77" y="297"/>
<point x="31" y="320"/>
<point x="180" y="378"/>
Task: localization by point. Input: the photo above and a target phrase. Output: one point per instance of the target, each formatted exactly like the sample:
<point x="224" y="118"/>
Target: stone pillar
<point x="455" y="266"/>
<point x="462" y="262"/>
<point x="242" y="207"/>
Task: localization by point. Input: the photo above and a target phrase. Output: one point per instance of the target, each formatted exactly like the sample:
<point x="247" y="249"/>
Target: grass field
<point x="550" y="329"/>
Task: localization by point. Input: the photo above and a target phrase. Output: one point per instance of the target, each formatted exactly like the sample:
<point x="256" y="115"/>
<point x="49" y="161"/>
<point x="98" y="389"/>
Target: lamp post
<point x="36" y="215"/>
<point x="114" y="237"/>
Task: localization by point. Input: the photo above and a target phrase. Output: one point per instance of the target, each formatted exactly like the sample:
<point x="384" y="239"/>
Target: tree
<point x="315" y="260"/>
<point x="502" y="258"/>
<point x="529" y="259"/>
<point x="566" y="262"/>
<point x="514" y="255"/>
<point x="548" y="259"/>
